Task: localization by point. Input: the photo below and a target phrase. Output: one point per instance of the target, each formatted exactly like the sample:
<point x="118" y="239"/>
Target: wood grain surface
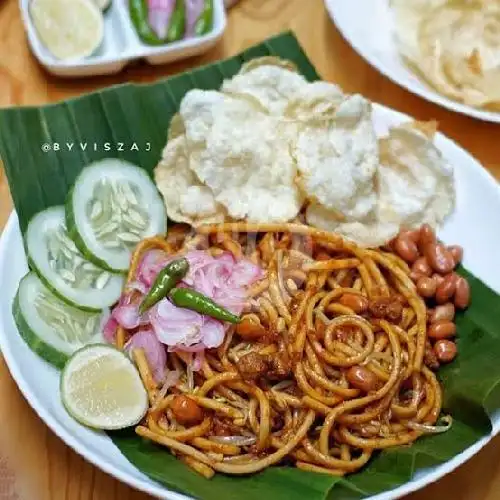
<point x="34" y="463"/>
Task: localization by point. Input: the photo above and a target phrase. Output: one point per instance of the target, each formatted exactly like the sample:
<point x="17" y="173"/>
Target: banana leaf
<point x="134" y="120"/>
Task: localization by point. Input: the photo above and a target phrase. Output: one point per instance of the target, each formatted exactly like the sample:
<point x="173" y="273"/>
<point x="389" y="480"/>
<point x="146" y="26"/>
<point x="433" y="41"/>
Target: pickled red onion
<point x="153" y="350"/>
<point x="194" y="8"/>
<point x="223" y="279"/>
<point x="159" y="13"/>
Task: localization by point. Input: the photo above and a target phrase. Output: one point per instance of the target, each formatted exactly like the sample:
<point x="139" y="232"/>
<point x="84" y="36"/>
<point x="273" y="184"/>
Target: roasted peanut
<point x="426" y="287"/>
<point x="413" y="234"/>
<point x="445" y="350"/>
<point x="462" y="293"/>
<point x="414" y="276"/>
<point x="457" y="252"/>
<point x="421" y="266"/>
<point x="439" y="258"/>
<point x="362" y="378"/>
<point x="406" y="248"/>
<point x="427" y="235"/>
<point x="437" y="278"/>
<point x="446" y="289"/>
<point x="442" y="329"/>
<point x="186" y="411"/>
<point x="357" y="303"/>
<point x="444" y="312"/>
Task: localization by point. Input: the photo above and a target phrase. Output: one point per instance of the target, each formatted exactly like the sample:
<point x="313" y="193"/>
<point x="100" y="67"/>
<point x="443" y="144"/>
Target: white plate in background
<point x="368" y="26"/>
<point x="121" y="44"/>
<point x="478" y="196"/>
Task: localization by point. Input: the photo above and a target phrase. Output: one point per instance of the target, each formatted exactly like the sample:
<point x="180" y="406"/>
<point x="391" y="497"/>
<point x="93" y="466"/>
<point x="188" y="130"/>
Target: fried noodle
<point x="304" y="408"/>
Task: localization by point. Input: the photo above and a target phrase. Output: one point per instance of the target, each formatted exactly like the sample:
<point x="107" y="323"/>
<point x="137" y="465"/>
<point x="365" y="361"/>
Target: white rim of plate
<point x="428" y="94"/>
<point x="155" y="488"/>
<point x="150" y="487"/>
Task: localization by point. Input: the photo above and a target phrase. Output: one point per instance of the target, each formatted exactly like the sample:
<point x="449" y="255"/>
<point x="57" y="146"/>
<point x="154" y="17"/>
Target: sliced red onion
<point x="213" y="333"/>
<point x="171" y="378"/>
<point x="137" y="286"/>
<point x="153" y="349"/>
<point x="198" y="361"/>
<point x="150" y="265"/>
<point x="127" y="316"/>
<point x="220" y="278"/>
<point x="194" y="8"/>
<point x="188" y="348"/>
<point x="236" y="440"/>
<point x="159" y="13"/>
<point x="245" y="273"/>
<point x="109" y="329"/>
<point x="176" y="326"/>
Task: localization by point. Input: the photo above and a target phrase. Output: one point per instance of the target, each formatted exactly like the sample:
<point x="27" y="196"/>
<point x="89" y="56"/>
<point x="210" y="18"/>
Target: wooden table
<point x="34" y="464"/>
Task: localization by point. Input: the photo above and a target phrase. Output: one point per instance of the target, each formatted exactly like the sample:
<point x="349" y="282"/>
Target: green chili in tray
<point x="196" y="301"/>
<point x="167" y="278"/>
<point x="139" y="16"/>
<point x="177" y="26"/>
<point x="204" y="22"/>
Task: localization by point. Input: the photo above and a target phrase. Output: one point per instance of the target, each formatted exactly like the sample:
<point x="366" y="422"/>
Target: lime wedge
<point x="102" y="389"/>
<point x="104" y="5"/>
<point x="69" y="29"/>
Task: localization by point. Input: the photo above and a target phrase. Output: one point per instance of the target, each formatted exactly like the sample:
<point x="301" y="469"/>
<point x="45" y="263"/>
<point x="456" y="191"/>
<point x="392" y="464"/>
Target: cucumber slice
<point x="63" y="269"/>
<point x="50" y="327"/>
<point x="112" y="207"/>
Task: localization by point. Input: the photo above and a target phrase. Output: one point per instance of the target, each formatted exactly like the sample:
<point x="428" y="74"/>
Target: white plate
<point x="121" y="44"/>
<point x="368" y="26"/>
<point x="478" y="196"/>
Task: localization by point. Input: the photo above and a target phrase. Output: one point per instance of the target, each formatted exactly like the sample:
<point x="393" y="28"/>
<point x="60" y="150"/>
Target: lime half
<point x="69" y="29"/>
<point x="101" y="388"/>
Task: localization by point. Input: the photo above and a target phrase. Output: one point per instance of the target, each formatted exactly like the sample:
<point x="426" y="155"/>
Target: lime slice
<point x="104" y="5"/>
<point x="102" y="389"/>
<point x="69" y="29"/>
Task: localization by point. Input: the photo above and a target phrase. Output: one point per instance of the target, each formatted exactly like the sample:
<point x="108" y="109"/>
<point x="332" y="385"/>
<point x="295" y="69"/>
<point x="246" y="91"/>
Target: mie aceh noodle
<point x="309" y="413"/>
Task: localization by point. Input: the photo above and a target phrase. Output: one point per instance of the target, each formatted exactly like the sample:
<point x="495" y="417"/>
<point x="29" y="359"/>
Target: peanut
<point x="426" y="287"/>
<point x="439" y="258"/>
<point x="444" y="312"/>
<point x="186" y="411"/>
<point x="357" y="303"/>
<point x="445" y="350"/>
<point x="462" y="293"/>
<point x="427" y="235"/>
<point x="446" y="288"/>
<point x="406" y="248"/>
<point x="437" y="278"/>
<point x="412" y="234"/>
<point x="421" y="266"/>
<point x="442" y="329"/>
<point x="362" y="378"/>
<point x="457" y="252"/>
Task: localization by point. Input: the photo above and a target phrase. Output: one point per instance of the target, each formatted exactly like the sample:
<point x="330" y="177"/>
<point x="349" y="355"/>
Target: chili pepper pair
<point x="177" y="24"/>
<point x="164" y="285"/>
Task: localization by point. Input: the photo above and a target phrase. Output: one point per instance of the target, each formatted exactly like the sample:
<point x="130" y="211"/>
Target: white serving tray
<point x="121" y="44"/>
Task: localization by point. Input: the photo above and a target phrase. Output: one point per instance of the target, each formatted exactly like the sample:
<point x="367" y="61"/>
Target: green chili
<point x="139" y="16"/>
<point x="177" y="26"/>
<point x="196" y="301"/>
<point x="204" y="22"/>
<point x="167" y="278"/>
